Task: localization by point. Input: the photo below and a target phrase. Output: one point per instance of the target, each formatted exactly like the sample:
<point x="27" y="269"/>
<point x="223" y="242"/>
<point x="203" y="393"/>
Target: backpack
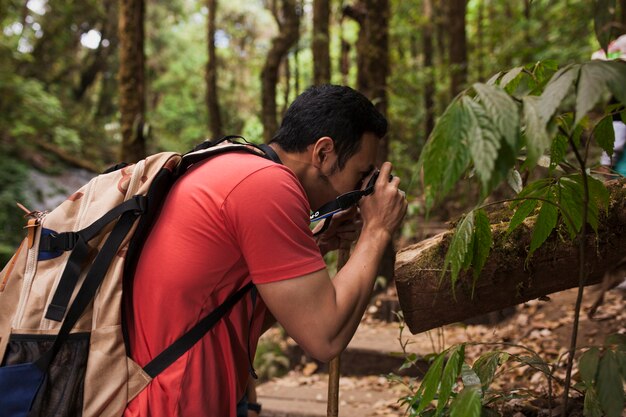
<point x="62" y="336"/>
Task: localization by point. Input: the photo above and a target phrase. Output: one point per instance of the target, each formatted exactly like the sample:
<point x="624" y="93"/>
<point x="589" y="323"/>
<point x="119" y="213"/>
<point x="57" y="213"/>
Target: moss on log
<point x="509" y="276"/>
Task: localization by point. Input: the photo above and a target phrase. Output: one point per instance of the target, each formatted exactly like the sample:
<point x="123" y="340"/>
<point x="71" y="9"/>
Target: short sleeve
<point x="268" y="214"/>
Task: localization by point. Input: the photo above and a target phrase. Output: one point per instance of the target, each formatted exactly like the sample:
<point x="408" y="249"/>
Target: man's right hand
<point x="385" y="208"/>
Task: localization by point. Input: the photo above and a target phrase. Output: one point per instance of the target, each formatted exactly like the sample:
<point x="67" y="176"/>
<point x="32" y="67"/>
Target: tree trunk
<point x="429" y="69"/>
<point x="480" y="40"/>
<point x="458" y="45"/>
<point x="132" y="79"/>
<point x="373" y="69"/>
<point x="508" y="278"/>
<point x="212" y="101"/>
<point x="289" y="27"/>
<point x="321" y="41"/>
<point x="623" y="16"/>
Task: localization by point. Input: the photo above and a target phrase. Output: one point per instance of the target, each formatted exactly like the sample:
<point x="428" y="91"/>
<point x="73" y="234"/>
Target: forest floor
<point x="544" y="327"/>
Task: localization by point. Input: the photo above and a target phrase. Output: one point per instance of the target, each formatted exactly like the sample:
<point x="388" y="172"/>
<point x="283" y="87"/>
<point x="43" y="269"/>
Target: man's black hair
<point x="338" y="112"/>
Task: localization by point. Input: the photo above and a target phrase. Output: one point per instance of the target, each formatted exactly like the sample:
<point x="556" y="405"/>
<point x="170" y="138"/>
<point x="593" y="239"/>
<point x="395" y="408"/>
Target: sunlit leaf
<point x="514" y="179"/>
<point x="459" y="246"/>
<point x="537" y="139"/>
<point x="523" y="211"/>
<point x="556" y="90"/>
<point x="484" y="140"/>
<point x="588" y="366"/>
<point x="510" y="76"/>
<point x="501" y="109"/>
<point x="592" y="83"/>
<point x="609" y="386"/>
<point x="470" y="378"/>
<point x="494" y="79"/>
<point x="485" y="367"/>
<point x="482" y="241"/>
<point x="466" y="404"/>
<point x="545" y="223"/>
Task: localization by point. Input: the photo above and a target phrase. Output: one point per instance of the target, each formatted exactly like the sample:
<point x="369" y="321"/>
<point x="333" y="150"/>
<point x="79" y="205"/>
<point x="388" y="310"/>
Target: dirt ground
<point x="543" y="327"/>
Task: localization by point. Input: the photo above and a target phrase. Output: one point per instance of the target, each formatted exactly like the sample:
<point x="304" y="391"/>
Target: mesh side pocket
<point x="61" y="394"/>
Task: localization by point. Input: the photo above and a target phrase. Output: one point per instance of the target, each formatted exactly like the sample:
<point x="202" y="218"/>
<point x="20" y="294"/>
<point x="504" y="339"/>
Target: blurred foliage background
<point x="59" y="62"/>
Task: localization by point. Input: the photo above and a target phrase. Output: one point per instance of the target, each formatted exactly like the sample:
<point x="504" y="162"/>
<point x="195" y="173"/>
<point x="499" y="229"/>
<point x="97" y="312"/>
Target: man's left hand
<point x="343" y="230"/>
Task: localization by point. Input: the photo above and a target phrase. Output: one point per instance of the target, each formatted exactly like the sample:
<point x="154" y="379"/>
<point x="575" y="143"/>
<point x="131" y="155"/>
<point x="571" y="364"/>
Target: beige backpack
<point x="61" y="327"/>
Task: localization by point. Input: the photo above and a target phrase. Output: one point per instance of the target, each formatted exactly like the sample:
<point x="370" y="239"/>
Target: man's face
<point x="356" y="169"/>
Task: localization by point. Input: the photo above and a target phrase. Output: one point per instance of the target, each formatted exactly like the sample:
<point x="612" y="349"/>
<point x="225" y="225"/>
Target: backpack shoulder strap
<point x="186" y="341"/>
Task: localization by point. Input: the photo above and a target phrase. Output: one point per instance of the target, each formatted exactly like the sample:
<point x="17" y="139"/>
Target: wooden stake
<point x="333" y="366"/>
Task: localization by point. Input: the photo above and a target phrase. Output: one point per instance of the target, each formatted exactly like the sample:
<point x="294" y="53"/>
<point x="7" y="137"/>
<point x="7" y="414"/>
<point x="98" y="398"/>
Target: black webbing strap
<point x="271" y="153"/>
<point x="61" y="298"/>
<point x="92" y="282"/>
<point x="67" y="240"/>
<point x="186" y="341"/>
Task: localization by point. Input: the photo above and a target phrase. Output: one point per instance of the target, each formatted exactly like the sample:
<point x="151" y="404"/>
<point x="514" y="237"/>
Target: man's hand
<point x="344" y="228"/>
<point x="385" y="208"/>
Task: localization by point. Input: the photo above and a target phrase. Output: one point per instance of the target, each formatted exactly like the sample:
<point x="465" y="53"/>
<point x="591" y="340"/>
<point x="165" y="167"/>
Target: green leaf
<point x="501" y="109"/>
<point x="592" y="84"/>
<point x="603" y="18"/>
<point x="510" y="76"/>
<point x="534" y="361"/>
<point x="556" y="90"/>
<point x="523" y="211"/>
<point x="448" y="379"/>
<point x="605" y="135"/>
<point x="558" y="151"/>
<point x="446" y="155"/>
<point x="537" y="138"/>
<point x="592" y="407"/>
<point x="616" y="339"/>
<point x="482" y="241"/>
<point x="571" y="201"/>
<point x="484" y="140"/>
<point x="466" y="404"/>
<point x="545" y="223"/>
<point x="485" y="367"/>
<point x="610" y="389"/>
<point x="514" y="179"/>
<point x="470" y="378"/>
<point x="598" y="192"/>
<point x="428" y="388"/>
<point x="494" y="79"/>
<point x="459" y="247"/>
<point x="588" y="366"/>
<point x="615" y="75"/>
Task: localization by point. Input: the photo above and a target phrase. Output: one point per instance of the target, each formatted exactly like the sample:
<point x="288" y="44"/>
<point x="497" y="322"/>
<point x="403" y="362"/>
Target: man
<point x="239" y="217"/>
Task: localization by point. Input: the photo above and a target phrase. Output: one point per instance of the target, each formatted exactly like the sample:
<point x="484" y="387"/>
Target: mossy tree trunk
<point x="321" y="41"/>
<point x="509" y="277"/>
<point x="132" y="103"/>
<point x="212" y="101"/>
<point x="288" y="25"/>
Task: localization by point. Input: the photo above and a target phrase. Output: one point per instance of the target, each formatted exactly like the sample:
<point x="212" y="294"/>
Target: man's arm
<point x="321" y="314"/>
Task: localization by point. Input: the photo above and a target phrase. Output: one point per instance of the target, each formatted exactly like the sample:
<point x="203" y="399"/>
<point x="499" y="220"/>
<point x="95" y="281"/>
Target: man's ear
<point x="323" y="148"/>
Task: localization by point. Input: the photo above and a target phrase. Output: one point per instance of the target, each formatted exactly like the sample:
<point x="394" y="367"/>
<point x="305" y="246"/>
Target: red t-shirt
<point x="232" y="219"/>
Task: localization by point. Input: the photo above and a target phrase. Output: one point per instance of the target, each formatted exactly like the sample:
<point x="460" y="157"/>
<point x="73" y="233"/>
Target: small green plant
<point x="454" y="387"/>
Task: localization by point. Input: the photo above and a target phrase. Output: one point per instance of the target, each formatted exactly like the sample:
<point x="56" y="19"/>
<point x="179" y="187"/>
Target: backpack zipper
<point x="31" y="264"/>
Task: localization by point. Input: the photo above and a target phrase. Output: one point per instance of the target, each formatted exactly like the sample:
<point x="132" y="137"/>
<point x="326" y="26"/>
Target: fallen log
<point x="509" y="277"/>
